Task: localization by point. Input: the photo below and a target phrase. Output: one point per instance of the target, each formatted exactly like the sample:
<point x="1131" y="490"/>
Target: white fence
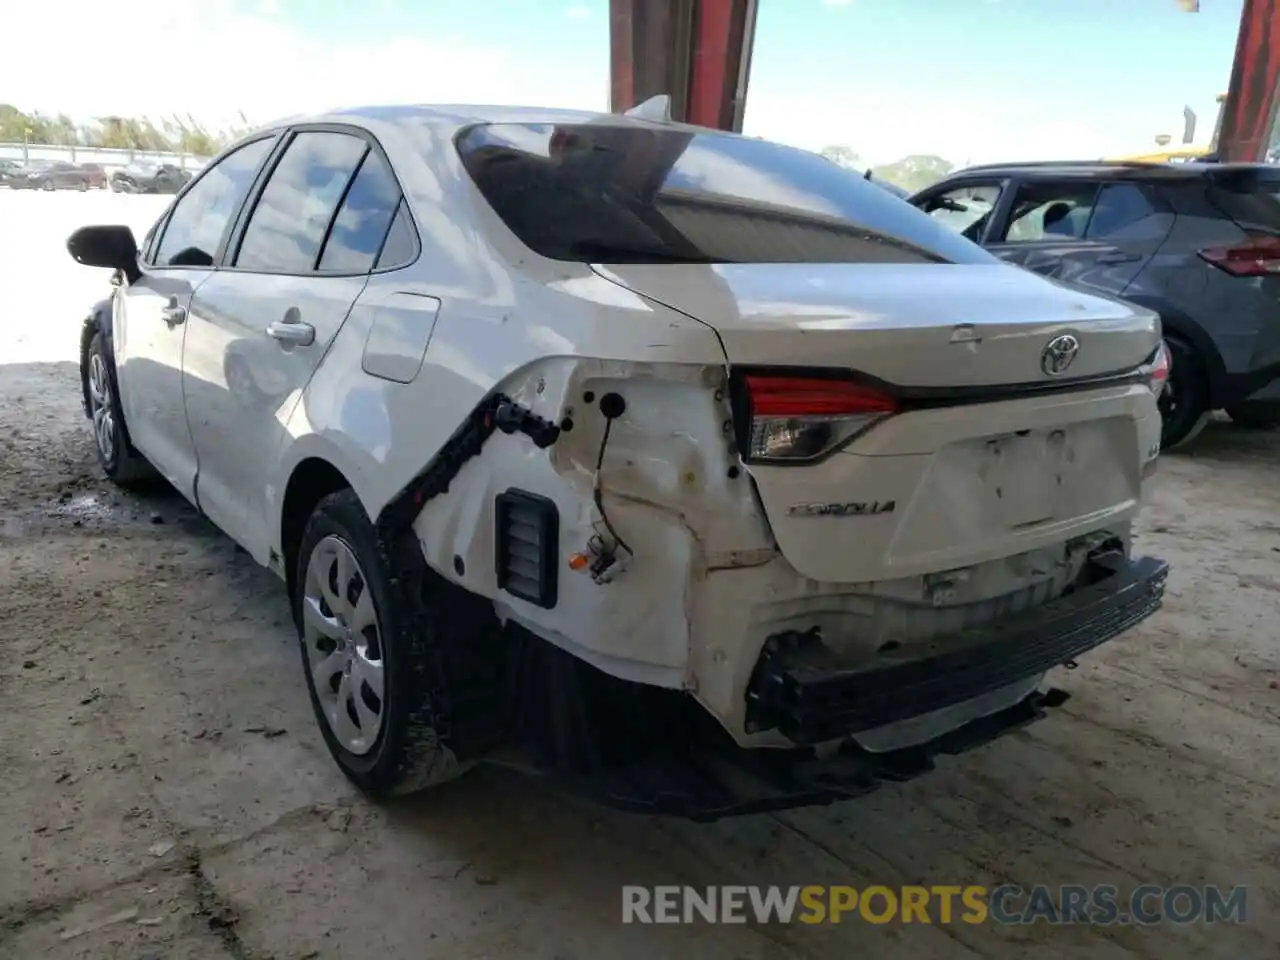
<point x="110" y="158"/>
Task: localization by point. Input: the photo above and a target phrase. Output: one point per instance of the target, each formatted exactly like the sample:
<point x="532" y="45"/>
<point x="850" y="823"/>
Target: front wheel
<point x="122" y="464"/>
<point x="372" y="654"/>
<point x="83" y="186"/>
<point x="1184" y="404"/>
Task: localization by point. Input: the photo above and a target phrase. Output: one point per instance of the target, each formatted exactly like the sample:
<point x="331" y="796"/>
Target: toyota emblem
<point x="1058" y="354"/>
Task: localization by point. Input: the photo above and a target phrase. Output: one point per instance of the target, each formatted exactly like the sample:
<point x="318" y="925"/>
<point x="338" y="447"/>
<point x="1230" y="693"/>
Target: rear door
<point x="260" y="326"/>
<point x="1097" y="234"/>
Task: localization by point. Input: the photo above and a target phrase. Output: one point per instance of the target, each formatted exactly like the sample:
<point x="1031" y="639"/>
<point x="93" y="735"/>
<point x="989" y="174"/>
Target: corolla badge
<point x="1058" y="354"/>
<point x="868" y="508"/>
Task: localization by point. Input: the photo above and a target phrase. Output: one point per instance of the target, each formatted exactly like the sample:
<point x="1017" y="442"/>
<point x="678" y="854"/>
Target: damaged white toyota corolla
<point x="689" y="467"/>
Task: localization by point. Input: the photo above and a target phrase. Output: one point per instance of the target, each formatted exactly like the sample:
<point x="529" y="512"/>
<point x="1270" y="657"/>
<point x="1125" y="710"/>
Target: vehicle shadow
<point x="1222" y="440"/>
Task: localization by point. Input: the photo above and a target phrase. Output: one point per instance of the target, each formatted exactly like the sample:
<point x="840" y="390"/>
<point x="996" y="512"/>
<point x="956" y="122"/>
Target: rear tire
<point x="84" y="186"/>
<point x="123" y="465"/>
<point x="48" y="186"/>
<point x="1184" y="405"/>
<point x="1253" y="419"/>
<point x="387" y="639"/>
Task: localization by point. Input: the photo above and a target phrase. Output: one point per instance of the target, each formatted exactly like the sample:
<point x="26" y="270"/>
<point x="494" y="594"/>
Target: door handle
<point x="172" y="314"/>
<point x="295" y="333"/>
<point x="1118" y="257"/>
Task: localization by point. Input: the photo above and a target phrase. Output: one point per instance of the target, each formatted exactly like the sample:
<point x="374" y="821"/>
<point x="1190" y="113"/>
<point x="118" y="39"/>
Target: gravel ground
<point x="167" y="795"/>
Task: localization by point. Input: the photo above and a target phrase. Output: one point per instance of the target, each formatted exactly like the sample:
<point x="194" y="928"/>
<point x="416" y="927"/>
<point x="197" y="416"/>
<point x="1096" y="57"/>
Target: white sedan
<point x="693" y="467"/>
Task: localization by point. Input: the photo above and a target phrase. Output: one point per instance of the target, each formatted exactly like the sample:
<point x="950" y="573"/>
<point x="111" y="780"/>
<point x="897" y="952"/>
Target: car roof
<point x="1113" y="170"/>
<point x="457" y="116"/>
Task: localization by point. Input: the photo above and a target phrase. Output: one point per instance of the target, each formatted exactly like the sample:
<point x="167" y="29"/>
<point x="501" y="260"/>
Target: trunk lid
<point x="938" y="486"/>
<point x="911" y="325"/>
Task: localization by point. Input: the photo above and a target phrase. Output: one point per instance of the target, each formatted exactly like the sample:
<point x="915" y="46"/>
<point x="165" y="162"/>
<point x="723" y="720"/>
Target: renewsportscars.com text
<point x="941" y="904"/>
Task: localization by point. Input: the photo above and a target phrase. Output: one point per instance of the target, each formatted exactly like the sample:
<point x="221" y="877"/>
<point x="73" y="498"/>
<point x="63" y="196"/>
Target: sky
<point x="969" y="80"/>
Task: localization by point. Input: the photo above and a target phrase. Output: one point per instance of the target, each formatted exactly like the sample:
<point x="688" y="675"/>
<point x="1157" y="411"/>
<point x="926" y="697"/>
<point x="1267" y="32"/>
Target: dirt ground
<point x="165" y="793"/>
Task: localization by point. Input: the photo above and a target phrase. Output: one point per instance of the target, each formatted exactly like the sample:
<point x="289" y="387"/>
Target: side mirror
<point x="106" y="246"/>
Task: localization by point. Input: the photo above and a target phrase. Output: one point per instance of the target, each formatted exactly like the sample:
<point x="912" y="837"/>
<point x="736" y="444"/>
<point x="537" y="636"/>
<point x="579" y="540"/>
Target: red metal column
<point x="697" y="52"/>
<point x="1250" y="107"/>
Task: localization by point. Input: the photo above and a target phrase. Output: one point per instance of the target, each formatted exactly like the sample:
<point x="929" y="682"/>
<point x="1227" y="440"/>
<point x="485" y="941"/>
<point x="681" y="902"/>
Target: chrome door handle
<point x="295" y="333"/>
<point x="173" y="314"/>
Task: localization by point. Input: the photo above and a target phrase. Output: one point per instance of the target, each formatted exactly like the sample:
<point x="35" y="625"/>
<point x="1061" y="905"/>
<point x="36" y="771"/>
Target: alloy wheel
<point x="100" y="407"/>
<point x="343" y="643"/>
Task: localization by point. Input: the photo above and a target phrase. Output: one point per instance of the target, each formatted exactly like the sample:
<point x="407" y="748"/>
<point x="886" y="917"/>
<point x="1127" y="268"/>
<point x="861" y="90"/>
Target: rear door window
<point x="362" y="222"/>
<point x="292" y="216"/>
<point x="1048" y="211"/>
<point x="401" y="246"/>
<point x="622" y="191"/>
<point x="1124" y="211"/>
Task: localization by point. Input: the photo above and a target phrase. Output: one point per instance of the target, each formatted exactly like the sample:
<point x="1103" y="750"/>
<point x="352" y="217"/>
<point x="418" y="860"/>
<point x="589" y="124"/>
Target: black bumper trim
<point x="715" y="784"/>
<point x="801" y="690"/>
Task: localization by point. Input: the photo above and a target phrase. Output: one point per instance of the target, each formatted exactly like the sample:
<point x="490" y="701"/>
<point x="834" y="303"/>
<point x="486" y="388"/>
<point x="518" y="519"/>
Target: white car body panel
<point x="401" y="358"/>
<point x="148" y="355"/>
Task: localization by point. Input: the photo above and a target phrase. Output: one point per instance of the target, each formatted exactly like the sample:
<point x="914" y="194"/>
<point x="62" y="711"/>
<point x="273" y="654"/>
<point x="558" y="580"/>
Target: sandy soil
<point x="166" y="793"/>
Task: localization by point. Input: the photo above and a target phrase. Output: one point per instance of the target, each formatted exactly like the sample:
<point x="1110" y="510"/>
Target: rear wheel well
<point x="311" y="481"/>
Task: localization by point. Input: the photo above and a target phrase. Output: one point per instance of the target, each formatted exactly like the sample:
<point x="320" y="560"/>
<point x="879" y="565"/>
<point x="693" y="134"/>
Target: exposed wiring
<point x="604" y="443"/>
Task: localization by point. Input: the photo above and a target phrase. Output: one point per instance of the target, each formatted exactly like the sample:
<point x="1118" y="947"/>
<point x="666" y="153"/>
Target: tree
<point x="914" y="172"/>
<point x="845" y="156"/>
<point x="125" y="133"/>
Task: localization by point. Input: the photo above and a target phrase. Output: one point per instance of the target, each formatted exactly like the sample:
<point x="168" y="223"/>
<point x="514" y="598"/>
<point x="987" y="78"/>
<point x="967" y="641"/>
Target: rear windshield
<point x="622" y="192"/>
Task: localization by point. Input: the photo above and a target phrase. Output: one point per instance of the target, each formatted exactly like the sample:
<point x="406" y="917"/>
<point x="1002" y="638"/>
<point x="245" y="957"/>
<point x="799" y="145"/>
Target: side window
<point x="402" y="241"/>
<point x="966" y="209"/>
<point x="201" y="216"/>
<point x="1050" y="211"/>
<point x="361" y="224"/>
<point x="292" y="216"/>
<point x="1123" y="212"/>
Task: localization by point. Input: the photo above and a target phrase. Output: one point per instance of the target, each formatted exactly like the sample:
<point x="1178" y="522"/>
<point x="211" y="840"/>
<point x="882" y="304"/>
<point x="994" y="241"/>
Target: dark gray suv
<point x="1197" y="242"/>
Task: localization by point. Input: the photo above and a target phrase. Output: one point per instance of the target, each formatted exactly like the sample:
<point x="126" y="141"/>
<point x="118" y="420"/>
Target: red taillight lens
<point x="1157" y="371"/>
<point x="796" y="419"/>
<point x="1256" y="257"/>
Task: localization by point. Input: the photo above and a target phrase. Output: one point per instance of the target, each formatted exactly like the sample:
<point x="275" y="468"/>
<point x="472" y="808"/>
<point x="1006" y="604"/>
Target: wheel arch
<point x="311" y="480"/>
<point x="101" y="319"/>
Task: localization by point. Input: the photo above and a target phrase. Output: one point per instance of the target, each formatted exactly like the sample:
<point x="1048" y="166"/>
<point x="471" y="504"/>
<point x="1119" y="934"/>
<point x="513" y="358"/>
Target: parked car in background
<point x="1199" y="243"/>
<point x="95" y="176"/>
<point x="49" y="175"/>
<point x="522" y="404"/>
<point x="7" y="166"/>
<point x="145" y="177"/>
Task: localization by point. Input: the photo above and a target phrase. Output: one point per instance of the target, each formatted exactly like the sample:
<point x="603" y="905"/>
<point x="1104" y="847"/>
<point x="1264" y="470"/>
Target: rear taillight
<point x="1156" y="370"/>
<point x="1256" y="257"/>
<point x="799" y="419"/>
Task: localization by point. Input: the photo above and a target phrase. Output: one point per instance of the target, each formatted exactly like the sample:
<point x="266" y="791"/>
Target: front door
<point x="153" y="312"/>
<point x="967" y="208"/>
<point x="260" y="327"/>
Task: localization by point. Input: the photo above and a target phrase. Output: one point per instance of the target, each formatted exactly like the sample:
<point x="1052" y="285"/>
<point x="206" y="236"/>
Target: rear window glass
<point x="624" y="192"/>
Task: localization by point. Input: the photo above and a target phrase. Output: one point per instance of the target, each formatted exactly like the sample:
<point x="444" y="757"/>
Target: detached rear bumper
<point x="810" y="696"/>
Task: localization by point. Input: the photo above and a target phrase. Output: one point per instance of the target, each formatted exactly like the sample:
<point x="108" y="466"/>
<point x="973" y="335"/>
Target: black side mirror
<point x="106" y="246"/>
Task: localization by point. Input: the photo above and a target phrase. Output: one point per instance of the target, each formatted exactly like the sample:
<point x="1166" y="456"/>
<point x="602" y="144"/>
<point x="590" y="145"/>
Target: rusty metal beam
<point x="698" y="52"/>
<point x="1249" y="111"/>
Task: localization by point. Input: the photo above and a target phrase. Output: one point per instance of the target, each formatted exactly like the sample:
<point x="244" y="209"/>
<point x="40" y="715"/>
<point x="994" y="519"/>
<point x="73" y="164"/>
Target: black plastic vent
<point x="526" y="554"/>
